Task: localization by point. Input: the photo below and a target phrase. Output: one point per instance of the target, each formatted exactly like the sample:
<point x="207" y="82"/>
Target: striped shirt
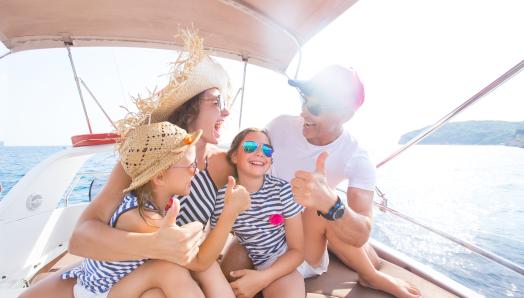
<point x="100" y="276"/>
<point x="199" y="204"/>
<point x="262" y="238"/>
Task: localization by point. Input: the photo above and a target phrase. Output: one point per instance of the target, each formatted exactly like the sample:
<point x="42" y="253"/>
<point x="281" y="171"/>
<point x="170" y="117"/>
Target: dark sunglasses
<point x="252" y="146"/>
<point x="314" y="108"/>
<point x="220" y="102"/>
<point x="192" y="165"/>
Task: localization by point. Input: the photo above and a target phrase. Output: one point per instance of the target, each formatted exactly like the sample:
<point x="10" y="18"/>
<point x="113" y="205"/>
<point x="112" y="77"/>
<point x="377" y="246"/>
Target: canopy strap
<point x="98" y="103"/>
<point x="77" y="81"/>
<point x="6" y="54"/>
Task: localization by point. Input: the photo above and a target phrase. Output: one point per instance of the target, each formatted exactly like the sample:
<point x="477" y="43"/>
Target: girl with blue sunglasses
<point x="271" y="230"/>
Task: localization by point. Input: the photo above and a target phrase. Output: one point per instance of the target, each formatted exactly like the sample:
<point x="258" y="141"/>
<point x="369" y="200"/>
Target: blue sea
<point x="475" y="193"/>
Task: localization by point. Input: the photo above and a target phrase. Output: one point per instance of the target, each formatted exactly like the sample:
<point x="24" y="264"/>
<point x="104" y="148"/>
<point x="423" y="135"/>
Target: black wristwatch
<point x="335" y="212"/>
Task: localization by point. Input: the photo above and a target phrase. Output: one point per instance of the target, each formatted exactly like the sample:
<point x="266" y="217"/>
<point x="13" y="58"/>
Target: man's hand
<point x="237" y="198"/>
<point x="249" y="282"/>
<point x="176" y="244"/>
<point x="311" y="190"/>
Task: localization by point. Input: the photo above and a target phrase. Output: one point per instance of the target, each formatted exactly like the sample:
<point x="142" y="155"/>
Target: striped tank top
<point x="260" y="229"/>
<point x="200" y="203"/>
<point x="100" y="276"/>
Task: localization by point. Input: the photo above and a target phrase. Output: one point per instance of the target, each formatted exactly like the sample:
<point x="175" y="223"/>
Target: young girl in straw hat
<point x="271" y="230"/>
<point x="160" y="159"/>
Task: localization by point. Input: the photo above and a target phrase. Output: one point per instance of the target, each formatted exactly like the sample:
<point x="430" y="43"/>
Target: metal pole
<point x="495" y="84"/>
<point x="242" y="96"/>
<point x="98" y="103"/>
<point x="78" y="86"/>
<point x="6" y="54"/>
<point x="235" y="98"/>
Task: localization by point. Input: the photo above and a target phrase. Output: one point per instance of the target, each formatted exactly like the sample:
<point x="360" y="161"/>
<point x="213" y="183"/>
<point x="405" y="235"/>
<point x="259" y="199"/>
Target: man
<point x="315" y="153"/>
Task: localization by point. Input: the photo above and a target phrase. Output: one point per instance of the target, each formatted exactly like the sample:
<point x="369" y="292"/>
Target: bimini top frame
<point x="268" y="33"/>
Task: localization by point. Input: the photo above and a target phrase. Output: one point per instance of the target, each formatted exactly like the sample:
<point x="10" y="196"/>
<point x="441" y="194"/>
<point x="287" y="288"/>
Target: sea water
<point x="475" y="193"/>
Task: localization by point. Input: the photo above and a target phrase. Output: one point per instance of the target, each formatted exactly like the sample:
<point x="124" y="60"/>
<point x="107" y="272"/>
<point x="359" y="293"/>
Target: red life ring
<point x="94" y="139"/>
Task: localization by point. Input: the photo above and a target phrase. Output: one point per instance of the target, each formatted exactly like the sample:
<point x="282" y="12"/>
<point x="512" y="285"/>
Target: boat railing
<point x="492" y="86"/>
<point x="383" y="206"/>
<point x="92" y="177"/>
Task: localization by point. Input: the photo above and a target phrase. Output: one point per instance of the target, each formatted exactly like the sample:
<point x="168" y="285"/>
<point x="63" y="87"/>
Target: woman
<point x="193" y="99"/>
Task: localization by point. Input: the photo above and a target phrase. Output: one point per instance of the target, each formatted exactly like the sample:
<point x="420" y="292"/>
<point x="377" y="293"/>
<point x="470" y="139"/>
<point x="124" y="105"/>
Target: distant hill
<point x="473" y="133"/>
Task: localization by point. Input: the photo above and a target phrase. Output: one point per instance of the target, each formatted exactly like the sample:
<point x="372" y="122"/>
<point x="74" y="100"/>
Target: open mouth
<point x="257" y="163"/>
<point x="308" y="124"/>
<point x="218" y="126"/>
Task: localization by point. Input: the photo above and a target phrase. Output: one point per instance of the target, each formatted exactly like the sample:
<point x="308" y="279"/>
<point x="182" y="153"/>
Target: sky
<point x="417" y="59"/>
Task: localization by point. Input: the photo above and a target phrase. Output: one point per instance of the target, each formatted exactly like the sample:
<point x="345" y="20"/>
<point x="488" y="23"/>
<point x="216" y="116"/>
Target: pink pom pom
<point x="276" y="219"/>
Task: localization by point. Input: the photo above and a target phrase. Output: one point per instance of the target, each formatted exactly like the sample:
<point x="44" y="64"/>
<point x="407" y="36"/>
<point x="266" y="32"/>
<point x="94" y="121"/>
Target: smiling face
<point x="210" y="117"/>
<point x="323" y="128"/>
<point x="178" y="176"/>
<point x="256" y="163"/>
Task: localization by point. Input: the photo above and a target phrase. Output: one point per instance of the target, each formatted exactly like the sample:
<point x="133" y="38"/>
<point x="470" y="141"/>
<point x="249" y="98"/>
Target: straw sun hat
<point x="149" y="149"/>
<point x="192" y="73"/>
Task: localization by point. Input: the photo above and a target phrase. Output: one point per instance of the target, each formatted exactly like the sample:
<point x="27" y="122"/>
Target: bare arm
<point x="355" y="226"/>
<point x="95" y="239"/>
<point x="312" y="190"/>
<point x="236" y="200"/>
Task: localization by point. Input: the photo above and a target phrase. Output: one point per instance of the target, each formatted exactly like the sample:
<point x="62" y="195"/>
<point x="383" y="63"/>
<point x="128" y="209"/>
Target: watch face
<point x="339" y="213"/>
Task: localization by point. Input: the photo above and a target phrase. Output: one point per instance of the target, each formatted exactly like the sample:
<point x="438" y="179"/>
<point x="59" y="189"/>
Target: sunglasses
<point x="315" y="108"/>
<point x="220" y="102"/>
<point x="192" y="165"/>
<point x="252" y="146"/>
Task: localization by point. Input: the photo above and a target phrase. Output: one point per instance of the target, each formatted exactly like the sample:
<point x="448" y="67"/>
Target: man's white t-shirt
<point x="346" y="160"/>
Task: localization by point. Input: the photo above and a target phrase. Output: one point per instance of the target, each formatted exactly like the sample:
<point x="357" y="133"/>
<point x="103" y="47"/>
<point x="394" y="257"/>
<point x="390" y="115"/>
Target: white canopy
<point x="267" y="32"/>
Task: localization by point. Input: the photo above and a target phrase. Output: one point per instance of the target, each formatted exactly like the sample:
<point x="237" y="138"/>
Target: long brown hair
<point x="187" y="113"/>
<point x="236" y="143"/>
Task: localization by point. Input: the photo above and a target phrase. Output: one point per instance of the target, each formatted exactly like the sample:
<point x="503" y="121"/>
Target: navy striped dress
<point x="256" y="231"/>
<point x="100" y="276"/>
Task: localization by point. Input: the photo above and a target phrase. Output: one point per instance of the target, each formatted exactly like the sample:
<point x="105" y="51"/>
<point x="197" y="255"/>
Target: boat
<point x="264" y="33"/>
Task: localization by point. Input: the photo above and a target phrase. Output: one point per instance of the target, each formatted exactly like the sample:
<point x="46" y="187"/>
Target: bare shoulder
<point x="218" y="166"/>
<point x="131" y="221"/>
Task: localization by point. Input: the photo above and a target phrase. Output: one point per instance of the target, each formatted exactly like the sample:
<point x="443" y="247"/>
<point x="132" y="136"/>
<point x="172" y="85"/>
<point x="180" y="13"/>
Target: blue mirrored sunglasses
<point x="252" y="146"/>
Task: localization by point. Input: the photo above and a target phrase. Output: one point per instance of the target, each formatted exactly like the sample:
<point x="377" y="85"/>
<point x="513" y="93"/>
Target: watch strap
<point x="330" y="215"/>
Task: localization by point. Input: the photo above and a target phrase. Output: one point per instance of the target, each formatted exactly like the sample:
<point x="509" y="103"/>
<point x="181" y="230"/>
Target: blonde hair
<point x="144" y="196"/>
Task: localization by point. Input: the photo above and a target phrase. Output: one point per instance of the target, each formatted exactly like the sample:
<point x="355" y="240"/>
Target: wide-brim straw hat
<point x="192" y="73"/>
<point x="206" y="75"/>
<point x="149" y="149"/>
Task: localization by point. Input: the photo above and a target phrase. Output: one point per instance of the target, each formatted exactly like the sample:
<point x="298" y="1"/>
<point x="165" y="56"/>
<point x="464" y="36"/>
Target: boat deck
<point x="339" y="281"/>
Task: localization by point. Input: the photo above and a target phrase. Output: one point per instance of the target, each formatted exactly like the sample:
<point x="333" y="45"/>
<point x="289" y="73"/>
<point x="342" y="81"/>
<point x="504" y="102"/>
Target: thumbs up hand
<point x="237" y="198"/>
<point x="173" y="243"/>
<point x="311" y="189"/>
